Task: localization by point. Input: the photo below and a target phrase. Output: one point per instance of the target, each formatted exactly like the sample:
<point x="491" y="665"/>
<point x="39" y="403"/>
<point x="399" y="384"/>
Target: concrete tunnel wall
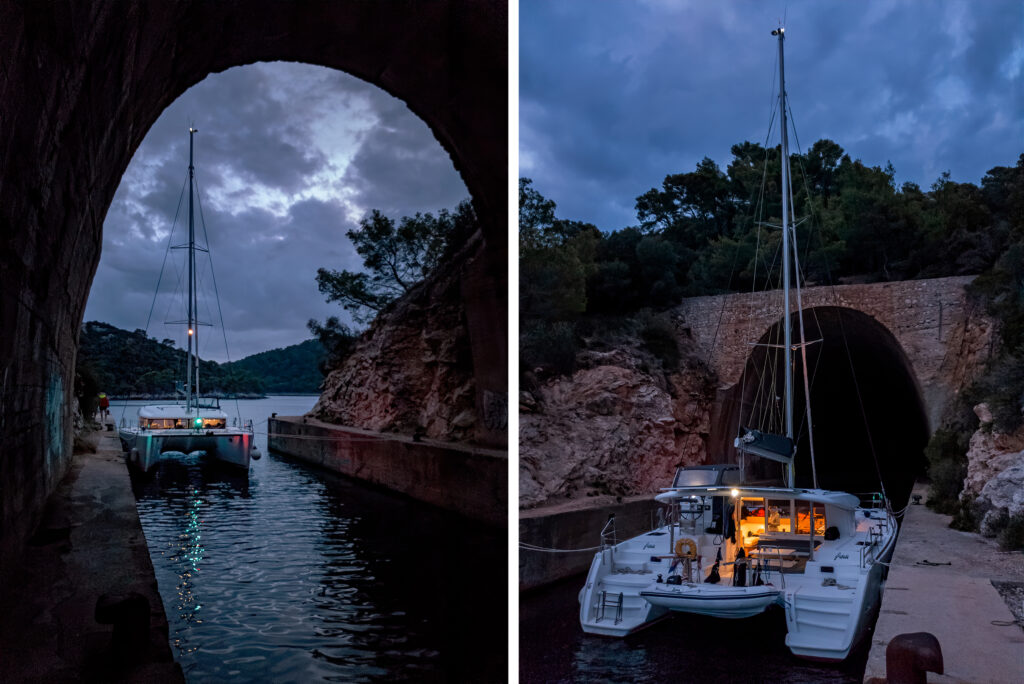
<point x="81" y="85"/>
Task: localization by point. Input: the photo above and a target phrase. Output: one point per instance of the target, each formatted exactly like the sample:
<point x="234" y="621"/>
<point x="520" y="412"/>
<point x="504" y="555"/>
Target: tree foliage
<point x="709" y="231"/>
<point x="336" y="338"/>
<point x="395" y="258"/>
<point x="555" y="259"/>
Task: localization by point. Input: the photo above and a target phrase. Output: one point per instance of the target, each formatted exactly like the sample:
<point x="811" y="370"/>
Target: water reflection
<point x="188" y="558"/>
<point x="292" y="574"/>
<point x="689" y="648"/>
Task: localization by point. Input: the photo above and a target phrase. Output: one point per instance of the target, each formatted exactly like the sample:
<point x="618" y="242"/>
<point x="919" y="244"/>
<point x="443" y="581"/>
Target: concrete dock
<point x="90" y="542"/>
<point x="575" y="525"/>
<point x="471" y="481"/>
<point x="940" y="581"/>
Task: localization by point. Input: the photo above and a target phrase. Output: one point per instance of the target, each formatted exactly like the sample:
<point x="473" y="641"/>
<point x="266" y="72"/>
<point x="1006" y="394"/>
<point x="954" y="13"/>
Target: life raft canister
<point x="689" y="545"/>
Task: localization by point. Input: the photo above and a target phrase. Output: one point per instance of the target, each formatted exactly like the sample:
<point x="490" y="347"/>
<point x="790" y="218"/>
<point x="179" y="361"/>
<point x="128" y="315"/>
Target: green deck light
<point x="199" y="422"/>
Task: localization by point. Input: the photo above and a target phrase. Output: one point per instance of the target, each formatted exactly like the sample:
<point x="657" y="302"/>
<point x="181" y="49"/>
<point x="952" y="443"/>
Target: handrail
<point x="608" y="531"/>
<point x="868" y="551"/>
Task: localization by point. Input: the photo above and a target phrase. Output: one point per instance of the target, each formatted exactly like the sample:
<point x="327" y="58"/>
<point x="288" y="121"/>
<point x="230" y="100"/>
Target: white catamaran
<point x="197" y="424"/>
<point x="728" y="549"/>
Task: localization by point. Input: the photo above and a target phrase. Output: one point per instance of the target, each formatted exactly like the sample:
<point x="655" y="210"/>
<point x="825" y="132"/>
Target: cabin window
<point x="751" y="519"/>
<point x="803" y="518"/>
<point x="214" y="422"/>
<point x="778" y="516"/>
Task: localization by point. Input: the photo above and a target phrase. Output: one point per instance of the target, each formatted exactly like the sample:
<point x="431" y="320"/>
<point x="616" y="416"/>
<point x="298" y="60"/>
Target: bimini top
<point x="825" y="496"/>
<point x="178" y="411"/>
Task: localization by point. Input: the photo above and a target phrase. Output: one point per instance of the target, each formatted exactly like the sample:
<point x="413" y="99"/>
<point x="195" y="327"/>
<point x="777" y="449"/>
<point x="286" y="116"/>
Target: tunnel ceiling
<point x="863" y="395"/>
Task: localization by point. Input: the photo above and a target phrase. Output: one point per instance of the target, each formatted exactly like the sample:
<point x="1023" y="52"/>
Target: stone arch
<point x="83" y="83"/>
<point x="858" y="363"/>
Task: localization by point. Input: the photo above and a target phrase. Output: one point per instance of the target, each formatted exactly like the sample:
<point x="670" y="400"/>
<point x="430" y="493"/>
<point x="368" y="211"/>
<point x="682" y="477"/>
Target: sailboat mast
<point x="788" y="341"/>
<point x="191" y="277"/>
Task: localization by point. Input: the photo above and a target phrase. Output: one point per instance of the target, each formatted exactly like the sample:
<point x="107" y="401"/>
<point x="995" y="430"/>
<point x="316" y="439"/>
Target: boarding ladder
<point x="610" y="600"/>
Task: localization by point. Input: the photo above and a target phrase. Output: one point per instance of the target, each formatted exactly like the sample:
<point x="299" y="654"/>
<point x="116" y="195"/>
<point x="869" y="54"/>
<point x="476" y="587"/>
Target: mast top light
<point x="778" y="31"/>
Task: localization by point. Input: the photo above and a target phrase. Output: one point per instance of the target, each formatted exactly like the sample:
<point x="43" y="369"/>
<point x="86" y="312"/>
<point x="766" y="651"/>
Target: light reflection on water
<point x="293" y="574"/>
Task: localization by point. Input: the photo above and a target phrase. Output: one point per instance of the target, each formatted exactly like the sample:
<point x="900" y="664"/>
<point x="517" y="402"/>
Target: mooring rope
<point x="543" y="549"/>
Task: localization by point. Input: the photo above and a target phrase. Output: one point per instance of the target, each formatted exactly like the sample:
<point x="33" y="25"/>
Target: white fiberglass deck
<point x="827" y="586"/>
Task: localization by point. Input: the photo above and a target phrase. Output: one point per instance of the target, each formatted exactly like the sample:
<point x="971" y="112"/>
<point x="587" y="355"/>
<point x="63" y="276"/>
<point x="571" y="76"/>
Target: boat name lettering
<point x="842" y="556"/>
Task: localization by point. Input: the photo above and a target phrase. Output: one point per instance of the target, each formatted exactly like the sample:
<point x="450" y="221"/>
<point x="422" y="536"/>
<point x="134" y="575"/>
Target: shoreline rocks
<point x="618" y="426"/>
<point x="412" y="371"/>
<point x="995" y="475"/>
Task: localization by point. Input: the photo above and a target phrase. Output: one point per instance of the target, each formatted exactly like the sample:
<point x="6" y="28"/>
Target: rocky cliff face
<point x="412" y="370"/>
<point x="619" y="425"/>
<point x="995" y="474"/>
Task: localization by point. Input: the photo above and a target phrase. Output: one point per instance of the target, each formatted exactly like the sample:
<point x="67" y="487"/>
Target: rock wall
<point x="995" y="474"/>
<point x="412" y="371"/>
<point x="614" y="427"/>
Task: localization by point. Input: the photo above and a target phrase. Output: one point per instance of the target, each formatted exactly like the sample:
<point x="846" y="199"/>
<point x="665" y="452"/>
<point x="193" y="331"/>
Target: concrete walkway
<point x="90" y="542"/>
<point x="956" y="602"/>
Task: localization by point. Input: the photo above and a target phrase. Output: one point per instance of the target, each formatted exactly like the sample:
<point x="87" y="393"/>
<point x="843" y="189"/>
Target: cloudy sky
<point x="288" y="158"/>
<point x="615" y="95"/>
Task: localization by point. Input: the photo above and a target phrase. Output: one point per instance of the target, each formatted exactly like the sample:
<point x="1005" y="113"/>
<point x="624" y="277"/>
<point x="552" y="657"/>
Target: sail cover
<point x="766" y="445"/>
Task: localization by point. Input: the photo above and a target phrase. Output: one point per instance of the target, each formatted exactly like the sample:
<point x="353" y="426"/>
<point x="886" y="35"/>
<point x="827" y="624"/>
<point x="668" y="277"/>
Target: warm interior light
<point x="735" y="492"/>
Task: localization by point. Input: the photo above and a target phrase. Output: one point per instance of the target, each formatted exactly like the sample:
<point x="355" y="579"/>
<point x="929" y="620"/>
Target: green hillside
<point x="290" y="370"/>
<point x="129" y="363"/>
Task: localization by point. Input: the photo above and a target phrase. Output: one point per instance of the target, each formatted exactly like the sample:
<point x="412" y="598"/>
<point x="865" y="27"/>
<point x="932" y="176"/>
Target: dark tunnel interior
<point x="865" y="404"/>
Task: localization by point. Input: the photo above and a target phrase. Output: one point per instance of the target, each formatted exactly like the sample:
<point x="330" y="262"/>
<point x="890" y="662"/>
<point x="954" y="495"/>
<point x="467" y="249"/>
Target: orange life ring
<point x="689" y="544"/>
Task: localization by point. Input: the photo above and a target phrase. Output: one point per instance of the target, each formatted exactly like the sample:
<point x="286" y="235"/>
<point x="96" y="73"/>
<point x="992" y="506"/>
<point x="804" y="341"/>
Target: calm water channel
<point x="295" y="574"/>
<point x="684" y="648"/>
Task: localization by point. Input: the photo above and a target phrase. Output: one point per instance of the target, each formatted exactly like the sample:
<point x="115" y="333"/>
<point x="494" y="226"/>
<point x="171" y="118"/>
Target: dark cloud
<point x="288" y="158"/>
<point x="615" y="95"/>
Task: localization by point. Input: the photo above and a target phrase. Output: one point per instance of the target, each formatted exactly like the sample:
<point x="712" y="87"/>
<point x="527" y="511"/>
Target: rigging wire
<point x="846" y="342"/>
<point x="213" y="276"/>
<point x="159" y="278"/>
<point x="759" y="209"/>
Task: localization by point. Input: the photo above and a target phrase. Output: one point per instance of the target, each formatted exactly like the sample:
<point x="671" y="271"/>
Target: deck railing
<point x="608" y="538"/>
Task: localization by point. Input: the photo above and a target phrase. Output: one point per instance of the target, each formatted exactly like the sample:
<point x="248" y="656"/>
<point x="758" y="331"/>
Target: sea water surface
<point x="683" y="648"/>
<point x="293" y="574"/>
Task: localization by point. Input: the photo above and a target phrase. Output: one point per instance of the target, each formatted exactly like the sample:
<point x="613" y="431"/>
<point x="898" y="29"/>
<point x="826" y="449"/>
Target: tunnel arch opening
<point x="866" y="403"/>
<point x="276" y="186"/>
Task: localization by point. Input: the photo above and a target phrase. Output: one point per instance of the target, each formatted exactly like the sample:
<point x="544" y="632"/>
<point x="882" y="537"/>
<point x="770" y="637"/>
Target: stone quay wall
<point x="470" y="481"/>
<point x="574" y="526"/>
<point x="945" y="338"/>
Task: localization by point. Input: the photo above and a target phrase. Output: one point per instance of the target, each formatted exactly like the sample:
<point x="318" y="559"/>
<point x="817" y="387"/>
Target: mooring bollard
<point x="908" y="657"/>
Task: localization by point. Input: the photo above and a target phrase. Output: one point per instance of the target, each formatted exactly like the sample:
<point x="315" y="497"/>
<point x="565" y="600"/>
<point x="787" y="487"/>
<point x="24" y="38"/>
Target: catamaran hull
<point x="729" y="602"/>
<point x="145" y="449"/>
